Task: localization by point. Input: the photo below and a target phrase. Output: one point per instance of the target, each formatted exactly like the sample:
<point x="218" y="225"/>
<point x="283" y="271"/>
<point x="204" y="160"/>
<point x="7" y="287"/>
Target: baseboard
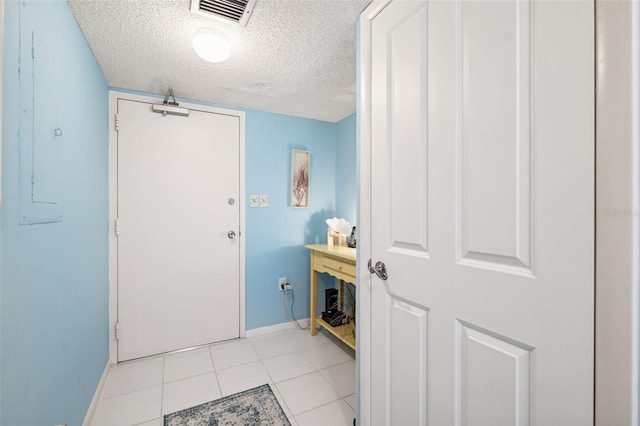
<point x="277" y="327"/>
<point x="97" y="395"/>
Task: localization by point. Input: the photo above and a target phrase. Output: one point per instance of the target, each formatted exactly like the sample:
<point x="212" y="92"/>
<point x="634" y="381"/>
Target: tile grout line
<point x="129" y="392"/>
<point x="164" y="363"/>
<point x="324" y="405"/>
<point x="345" y="400"/>
<point x="272" y="380"/>
<point x="284" y="401"/>
<point x="299" y="351"/>
<point x="333" y="387"/>
<point x="330" y="384"/>
<point x="197" y="374"/>
<point x="215" y="370"/>
<point x="275" y="385"/>
<point x="315" y="370"/>
<point x="319" y="371"/>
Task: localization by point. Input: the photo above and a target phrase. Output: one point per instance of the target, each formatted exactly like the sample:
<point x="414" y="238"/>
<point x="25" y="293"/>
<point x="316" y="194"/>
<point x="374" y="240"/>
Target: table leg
<point x="314" y="300"/>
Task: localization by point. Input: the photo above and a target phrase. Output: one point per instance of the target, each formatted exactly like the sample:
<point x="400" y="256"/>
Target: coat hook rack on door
<point x="169" y="106"/>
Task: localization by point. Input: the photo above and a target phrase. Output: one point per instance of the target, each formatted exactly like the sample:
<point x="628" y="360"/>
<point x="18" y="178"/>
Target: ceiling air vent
<point x="234" y="10"/>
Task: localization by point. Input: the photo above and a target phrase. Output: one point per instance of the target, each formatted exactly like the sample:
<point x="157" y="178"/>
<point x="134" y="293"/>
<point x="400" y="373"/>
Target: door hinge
<point x="117" y="122"/>
<point x="117" y="227"/>
<point x="117" y="330"/>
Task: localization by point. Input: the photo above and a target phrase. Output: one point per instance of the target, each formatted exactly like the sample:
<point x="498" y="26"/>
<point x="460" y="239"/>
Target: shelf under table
<point x="342" y="332"/>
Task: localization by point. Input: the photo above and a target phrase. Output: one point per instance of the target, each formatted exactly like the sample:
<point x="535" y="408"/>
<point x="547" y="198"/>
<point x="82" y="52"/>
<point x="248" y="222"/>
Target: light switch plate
<point x="264" y="200"/>
<point x="254" y="200"/>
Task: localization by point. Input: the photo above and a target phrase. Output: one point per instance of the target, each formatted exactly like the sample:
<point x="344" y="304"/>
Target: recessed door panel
<point x="408" y="338"/>
<point x="486" y="358"/>
<point x="405" y="154"/>
<point x="494" y="164"/>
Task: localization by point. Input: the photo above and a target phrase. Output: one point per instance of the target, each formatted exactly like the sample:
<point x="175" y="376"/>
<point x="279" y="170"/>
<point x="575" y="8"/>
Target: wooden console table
<point x="339" y="262"/>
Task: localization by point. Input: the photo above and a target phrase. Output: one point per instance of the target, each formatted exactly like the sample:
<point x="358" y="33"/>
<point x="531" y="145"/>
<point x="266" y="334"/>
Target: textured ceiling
<point x="294" y="57"/>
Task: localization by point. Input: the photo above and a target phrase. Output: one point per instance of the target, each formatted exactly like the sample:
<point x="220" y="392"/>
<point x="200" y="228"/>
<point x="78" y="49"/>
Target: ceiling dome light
<point x="211" y="46"/>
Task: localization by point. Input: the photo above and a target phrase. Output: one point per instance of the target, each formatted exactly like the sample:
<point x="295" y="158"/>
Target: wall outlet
<point x="283" y="285"/>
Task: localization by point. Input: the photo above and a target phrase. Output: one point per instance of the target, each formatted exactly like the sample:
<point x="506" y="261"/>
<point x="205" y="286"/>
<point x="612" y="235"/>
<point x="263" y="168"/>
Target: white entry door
<point x="178" y="229"/>
<point x="482" y="199"/>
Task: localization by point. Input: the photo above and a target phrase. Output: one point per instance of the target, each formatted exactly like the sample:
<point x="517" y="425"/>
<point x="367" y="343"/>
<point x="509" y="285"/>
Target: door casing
<point x="621" y="125"/>
<point x="113" y="203"/>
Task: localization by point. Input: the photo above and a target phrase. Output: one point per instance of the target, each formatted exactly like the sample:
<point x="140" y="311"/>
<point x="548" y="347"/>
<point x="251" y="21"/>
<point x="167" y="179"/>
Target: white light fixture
<point x="211" y="46"/>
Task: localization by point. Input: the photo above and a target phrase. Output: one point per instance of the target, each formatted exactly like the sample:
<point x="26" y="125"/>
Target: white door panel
<point x="488" y="359"/>
<point x="494" y="145"/>
<point x="178" y="272"/>
<point x="482" y="168"/>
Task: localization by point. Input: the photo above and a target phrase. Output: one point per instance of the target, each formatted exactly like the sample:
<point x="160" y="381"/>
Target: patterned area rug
<point x="257" y="406"/>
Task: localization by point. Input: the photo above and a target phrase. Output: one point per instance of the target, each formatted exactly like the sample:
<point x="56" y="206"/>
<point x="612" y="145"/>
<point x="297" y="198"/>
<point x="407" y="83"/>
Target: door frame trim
<point x="617" y="213"/>
<point x="617" y="264"/>
<point x="364" y="312"/>
<point x="114" y="95"/>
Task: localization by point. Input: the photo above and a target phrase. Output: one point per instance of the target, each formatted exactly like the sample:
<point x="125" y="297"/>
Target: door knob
<point x="379" y="269"/>
<point x="231" y="234"/>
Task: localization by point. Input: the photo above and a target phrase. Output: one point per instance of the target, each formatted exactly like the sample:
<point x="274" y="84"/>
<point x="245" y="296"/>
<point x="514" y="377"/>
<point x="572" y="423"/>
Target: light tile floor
<point x="312" y="377"/>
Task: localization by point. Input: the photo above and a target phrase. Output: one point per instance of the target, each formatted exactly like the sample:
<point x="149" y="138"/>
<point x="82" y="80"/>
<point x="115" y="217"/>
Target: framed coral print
<point x="300" y="173"/>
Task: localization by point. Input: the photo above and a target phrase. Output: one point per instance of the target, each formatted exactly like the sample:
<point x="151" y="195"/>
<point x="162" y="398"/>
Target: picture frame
<point x="300" y="178"/>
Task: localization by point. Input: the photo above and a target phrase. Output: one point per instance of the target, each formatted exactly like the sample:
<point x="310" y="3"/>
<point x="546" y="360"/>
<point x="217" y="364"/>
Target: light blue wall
<point x="346" y="163"/>
<point x="276" y="235"/>
<point x="54" y="277"/>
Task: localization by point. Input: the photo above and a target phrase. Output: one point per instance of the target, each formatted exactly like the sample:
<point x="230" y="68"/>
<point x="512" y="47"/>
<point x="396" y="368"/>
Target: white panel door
<point x="482" y="198"/>
<point x="178" y="269"/>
